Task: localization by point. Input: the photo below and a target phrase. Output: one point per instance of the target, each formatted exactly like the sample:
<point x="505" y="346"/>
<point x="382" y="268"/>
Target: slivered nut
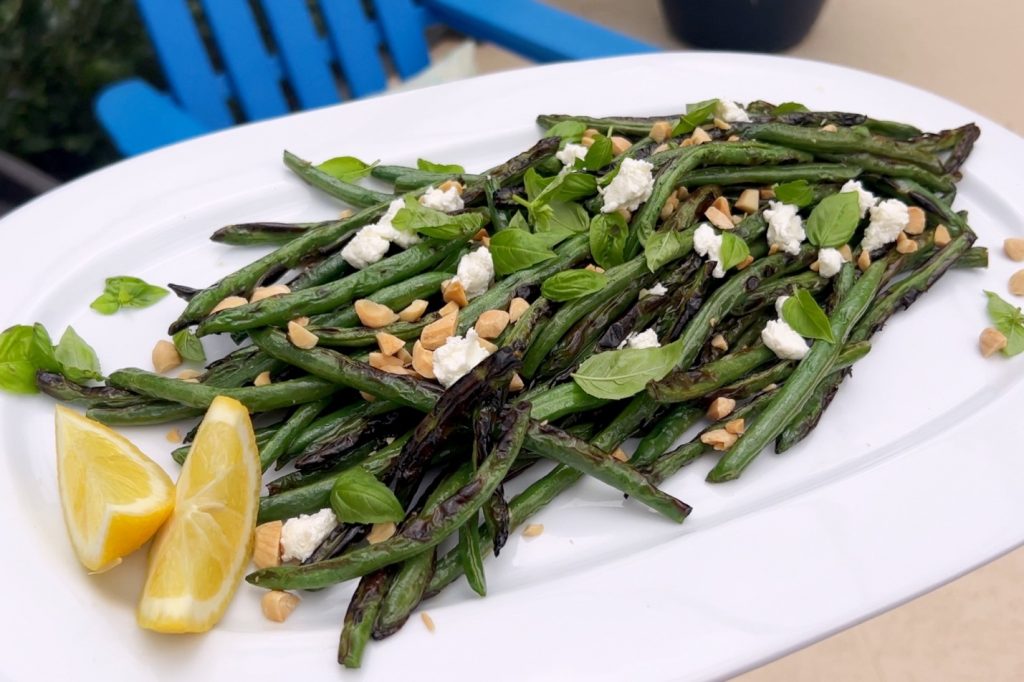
<point x="301" y="337"/>
<point x="277" y="605"/>
<point x="262" y="379"/>
<point x="380" y="361"/>
<point x="721" y="408"/>
<point x="165" y="356"/>
<point x="774" y="249"/>
<point x="700" y="136"/>
<point x="380" y="532"/>
<point x="436" y="333"/>
<point x="594" y="268"/>
<point x="749" y="201"/>
<point x="491" y="323"/>
<point x="516" y="384"/>
<point x="451" y="184"/>
<point x="766" y="193"/>
<point x="745" y="262"/>
<point x="449" y="308"/>
<point x="1014" y="246"/>
<point x="368" y="397"/>
<point x="719" y="342"/>
<point x="722" y="204"/>
<point x="516" y="308"/>
<point x="267" y="544"/>
<point x="718" y="219"/>
<point x="733" y="138"/>
<point x="481" y="236"/>
<point x="864" y="260"/>
<point x="405" y="356"/>
<point x="830" y="128"/>
<point x="905" y="244"/>
<point x="669" y="207"/>
<point x="719" y="439"/>
<point x="720" y="124"/>
<point x="428" y="622"/>
<point x="736" y="220"/>
<point x="260" y="293"/>
<point x="374" y="315"/>
<point x="533" y="530"/>
<point x="1017" y="283"/>
<point x="620" y="145"/>
<point x="661" y="131"/>
<point x="454" y="292"/>
<point x="663" y="147"/>
<point x="389" y="344"/>
<point x="736" y="426"/>
<point x="917" y="220"/>
<point x="423" y="361"/>
<point x="487" y="345"/>
<point x="173" y="436"/>
<point x="301" y="321"/>
<point x="588" y="137"/>
<point x="346" y="213"/>
<point x="815" y="266"/>
<point x="620" y="455"/>
<point x="846" y="252"/>
<point x="992" y="341"/>
<point x="942" y="236"/>
<point x="682" y="193"/>
<point x="189" y="374"/>
<point x="413" y="311"/>
<point x="229" y="302"/>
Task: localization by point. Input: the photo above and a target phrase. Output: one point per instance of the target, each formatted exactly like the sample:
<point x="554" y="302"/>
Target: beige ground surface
<point x="973" y="628"/>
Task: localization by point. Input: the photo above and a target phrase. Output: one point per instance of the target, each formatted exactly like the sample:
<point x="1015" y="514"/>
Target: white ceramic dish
<point x="913" y="477"/>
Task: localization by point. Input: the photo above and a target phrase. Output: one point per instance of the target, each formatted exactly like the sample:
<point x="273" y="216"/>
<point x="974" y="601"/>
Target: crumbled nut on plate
<point x="516" y="308"/>
<point x="721" y="408"/>
<point x="165" y="356"/>
<point x="380" y="532"/>
<point x="436" y="333"/>
<point x="992" y="341"/>
<point x="492" y="323"/>
<point x="413" y="311"/>
<point x="428" y="621"/>
<point x="374" y="315"/>
<point x="533" y="530"/>
<point x="1014" y="248"/>
<point x="227" y="303"/>
<point x="389" y="344"/>
<point x="267" y="544"/>
<point x="262" y="379"/>
<point x="277" y="605"/>
<point x="301" y="337"/>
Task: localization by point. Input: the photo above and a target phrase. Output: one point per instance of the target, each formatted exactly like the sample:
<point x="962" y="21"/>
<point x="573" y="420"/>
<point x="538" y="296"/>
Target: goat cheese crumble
<point x="782" y="340"/>
<point x="708" y="243"/>
<point x="888" y="219"/>
<point x="731" y="112"/>
<point x="371" y="242"/>
<point x="779" y="302"/>
<point x="304" y="533"/>
<point x="475" y="272"/>
<point x="570" y="153"/>
<point x="446" y="200"/>
<point x="830" y="262"/>
<point x="865" y="199"/>
<point x="645" y="339"/>
<point x="785" y="227"/>
<point x="457" y="357"/>
<point x="630" y="187"/>
<point x="658" y="289"/>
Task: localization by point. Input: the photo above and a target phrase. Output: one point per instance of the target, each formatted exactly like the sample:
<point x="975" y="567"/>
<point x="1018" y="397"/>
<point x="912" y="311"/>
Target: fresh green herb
<point x="570" y="284"/>
<point x="834" y="220"/>
<point x="664" y="247"/>
<point x="805" y="316"/>
<point x="126" y="292"/>
<point x="347" y="168"/>
<point x="568" y="187"/>
<point x="535" y="183"/>
<point x="24" y="349"/>
<point x="518" y="222"/>
<point x="562" y="216"/>
<point x="608" y="235"/>
<point x="598" y="155"/>
<point x="514" y="250"/>
<point x="788" y="108"/>
<point x="734" y="251"/>
<point x="569" y="130"/>
<point x="453" y="168"/>
<point x="619" y="374"/>
<point x="797" y="192"/>
<point x="433" y="223"/>
<point x="696" y="115"/>
<point x="358" y="497"/>
<point x="189" y="346"/>
<point x="1009" y="320"/>
<point x="77" y="359"/>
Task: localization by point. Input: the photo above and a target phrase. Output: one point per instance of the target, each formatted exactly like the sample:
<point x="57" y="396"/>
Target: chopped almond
<point x="374" y="315"/>
<point x="766" y="193"/>
<point x="189" y="374"/>
<point x="413" y="311"/>
<point x="381" y="361"/>
<point x="594" y="268"/>
<point x="682" y="193"/>
<point x="846" y="252"/>
<point x="368" y="397"/>
<point x="720" y="124"/>
<point x="301" y="321"/>
<point x="516" y="384"/>
<point x="736" y="426"/>
<point x="454" y="292"/>
<point x="942" y="236"/>
<point x="749" y="201"/>
<point x="1014" y="246"/>
<point x="491" y="323"/>
<point x="481" y="235"/>
<point x="722" y="204"/>
<point x="487" y="345"/>
<point x="277" y="605"/>
<point x="449" y="308"/>
<point x="405" y="356"/>
<point x="262" y="379"/>
<point x="620" y="455"/>
<point x="436" y="333"/>
<point x="669" y="207"/>
<point x="428" y="622"/>
<point x="733" y="138"/>
<point x="830" y="128"/>
<point x="267" y="544"/>
<point x="700" y="136"/>
<point x="301" y="337"/>
<point x="516" y="308"/>
<point x="719" y="342"/>
<point x="260" y="293"/>
<point x="380" y="532"/>
<point x="774" y="249"/>
<point x="905" y="244"/>
<point x="173" y="436"/>
<point x="718" y="219"/>
<point x="1017" y="283"/>
<point x="661" y="131"/>
<point x="389" y="344"/>
<point x="742" y="265"/>
<point x="815" y="266"/>
<point x="346" y="213"/>
<point x="533" y="530"/>
<point x="620" y="145"/>
<point x="992" y="341"/>
<point x="721" y="408"/>
<point x="227" y="303"/>
<point x="719" y="439"/>
<point x="423" y="361"/>
<point x="864" y="260"/>
<point x="450" y="184"/>
<point x="165" y="356"/>
<point x="917" y="220"/>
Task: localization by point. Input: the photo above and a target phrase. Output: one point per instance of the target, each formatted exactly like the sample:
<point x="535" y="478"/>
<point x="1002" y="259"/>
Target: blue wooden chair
<point x="295" y="53"/>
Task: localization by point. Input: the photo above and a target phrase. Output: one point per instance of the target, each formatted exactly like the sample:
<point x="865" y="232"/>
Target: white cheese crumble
<point x="830" y="262"/>
<point x="658" y="289"/>
<point x="630" y="187"/>
<point x="783" y="341"/>
<point x="731" y="112"/>
<point x="645" y="339"/>
<point x="446" y="200"/>
<point x="888" y="219"/>
<point x="371" y="242"/>
<point x="708" y="243"/>
<point x="785" y="226"/>
<point x="385" y="229"/>
<point x="779" y="302"/>
<point x="570" y="153"/>
<point x="457" y="357"/>
<point x="475" y="272"/>
<point x="304" y="533"/>
<point x="865" y="199"/>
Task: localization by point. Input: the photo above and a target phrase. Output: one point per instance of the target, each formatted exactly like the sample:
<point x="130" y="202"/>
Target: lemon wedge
<point x="198" y="557"/>
<point x="114" y="497"/>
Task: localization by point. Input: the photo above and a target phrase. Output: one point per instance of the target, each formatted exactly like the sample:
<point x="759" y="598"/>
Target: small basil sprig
<point x="347" y="168"/>
<point x="358" y="497"/>
<point x="696" y="115"/>
<point x="618" y="374"/>
<point x="1009" y="320"/>
<point x="514" y="250"/>
<point x="561" y="218"/>
<point x="25" y="350"/>
<point x="599" y="154"/>
<point x="608" y="235"/>
<point x="805" y="316"/>
<point x="432" y="223"/>
<point x="797" y="192"/>
<point x="665" y="247"/>
<point x="569" y="130"/>
<point x="834" y="220"/>
<point x="570" y="284"/>
<point x="452" y="168"/>
<point x="126" y="292"/>
<point x="788" y="108"/>
<point x="189" y="346"/>
<point x="76" y="358"/>
<point x="733" y="252"/>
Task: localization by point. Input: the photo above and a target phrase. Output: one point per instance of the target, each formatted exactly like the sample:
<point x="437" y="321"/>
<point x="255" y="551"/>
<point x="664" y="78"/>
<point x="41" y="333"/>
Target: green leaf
<point x="535" y="183"/>
<point x="696" y="115"/>
<point x="77" y="359"/>
<point x="41" y="352"/>
<point x="834" y="220"/>
<point x="788" y="108"/>
<point x="665" y="247"/>
<point x="518" y="222"/>
<point x="618" y="374"/>
<point x="797" y="192"/>
<point x="347" y="168"/>
<point x="453" y="168"/>
<point x="734" y="250"/>
<point x="358" y="497"/>
<point x="570" y="130"/>
<point x="1009" y="320"/>
<point x="126" y="292"/>
<point x="189" y="346"/>
<point x="433" y="223"/>
<point x="598" y="155"/>
<point x="566" y="216"/>
<point x="548" y="231"/>
<point x="17" y="372"/>
<point x="805" y="316"/>
<point x="570" y="284"/>
<point x="568" y="187"/>
<point x="608" y="235"/>
<point x="514" y="250"/>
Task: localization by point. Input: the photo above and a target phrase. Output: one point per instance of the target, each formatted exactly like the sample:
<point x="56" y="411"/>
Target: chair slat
<point x="356" y="42"/>
<point x="186" y="64"/>
<point x="402" y="24"/>
<point x="254" y="73"/>
<point x="305" y="55"/>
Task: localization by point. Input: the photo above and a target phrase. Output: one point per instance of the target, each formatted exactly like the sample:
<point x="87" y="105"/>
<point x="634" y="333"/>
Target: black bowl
<point x="743" y="25"/>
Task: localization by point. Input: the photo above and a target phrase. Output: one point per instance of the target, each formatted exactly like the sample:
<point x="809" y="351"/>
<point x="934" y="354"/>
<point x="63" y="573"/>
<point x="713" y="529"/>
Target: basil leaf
<point x="1009" y="320"/>
<point x="358" y="497"/>
<point x="17" y="372"/>
<point x="547" y="230"/>
<point x="608" y="235"/>
<point x="535" y="183"/>
<point x="734" y="251"/>
<point x="665" y="247"/>
<point x="618" y="374"/>
<point x="570" y="130"/>
<point x="126" y="292"/>
<point x="347" y="168"/>
<point x="598" y="155"/>
<point x="514" y="250"/>
<point x="433" y="223"/>
<point x="518" y="222"/>
<point x="788" y="108"/>
<point x="570" y="284"/>
<point x="805" y="316"/>
<point x="696" y="115"/>
<point x="834" y="220"/>
<point x="568" y="187"/>
<point x="452" y="168"/>
<point x="77" y="358"/>
<point x="562" y="215"/>
<point x="40" y="353"/>
<point x="798" y="192"/>
<point x="189" y="346"/>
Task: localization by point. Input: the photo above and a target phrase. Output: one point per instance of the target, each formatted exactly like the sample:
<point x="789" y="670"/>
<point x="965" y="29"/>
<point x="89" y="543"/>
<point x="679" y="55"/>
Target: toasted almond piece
<point x="766" y="193"/>
<point x="663" y="147"/>
<point x="1014" y="246"/>
<point x="815" y="266"/>
<point x="450" y="184"/>
<point x="720" y="408"/>
<point x="374" y="315"/>
<point x="733" y="138"/>
<point x="700" y="136"/>
<point x="487" y="345"/>
<point x="905" y="244"/>
<point x="301" y="337"/>
<point x="533" y="530"/>
<point x="227" y="303"/>
<point x="722" y="204"/>
<point x="749" y="201"/>
<point x="864" y="260"/>
<point x="380" y="532"/>
<point x="436" y="333"/>
<point x="405" y="356"/>
<point x="428" y="622"/>
<point x="346" y="213"/>
<point x="266" y="549"/>
<point x="262" y="379"/>
<point x="830" y="128"/>
<point x="277" y="605"/>
<point x="454" y="292"/>
<point x="260" y="293"/>
<point x="187" y="374"/>
<point x="942" y="236"/>
<point x="624" y="212"/>
<point x="173" y="436"/>
<point x="449" y="308"/>
<point x="992" y="341"/>
<point x="587" y="140"/>
<point x="620" y="455"/>
<point x="669" y="207"/>
<point x="413" y="311"/>
<point x="389" y="344"/>
<point x="190" y="381"/>
<point x="745" y="262"/>
<point x="378" y="360"/>
<point x="423" y="361"/>
<point x="165" y="356"/>
<point x="719" y="439"/>
<point x="846" y="252"/>
<point x="368" y="397"/>
<point x="688" y="142"/>
<point x="516" y="308"/>
<point x="774" y="249"/>
<point x="491" y="323"/>
<point x="396" y="369"/>
<point x="917" y="220"/>
<point x="516" y="384"/>
<point x="594" y="268"/>
<point x="682" y="193"/>
<point x="719" y="342"/>
<point x="301" y="321"/>
<point x="1017" y="283"/>
<point x="718" y="219"/>
<point x="736" y="220"/>
<point x="770" y="387"/>
<point x="481" y="235"/>
<point x="620" y="145"/>
<point x="660" y="131"/>
<point x="736" y="426"/>
<point x="720" y="124"/>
